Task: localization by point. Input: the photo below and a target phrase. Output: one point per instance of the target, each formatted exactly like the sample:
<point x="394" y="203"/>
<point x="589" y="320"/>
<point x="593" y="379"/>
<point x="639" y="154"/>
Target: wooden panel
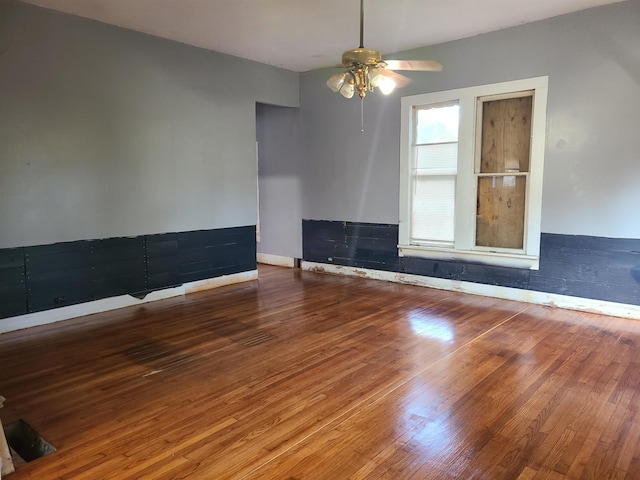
<point x="213" y="253"/>
<point x="505" y="148"/>
<point x="177" y="258"/>
<point x="320" y="239"/>
<point x="500" y="212"/>
<point x="75" y="272"/>
<point x="582" y="266"/>
<point x="162" y="261"/>
<point x="68" y="273"/>
<point x="58" y="275"/>
<point x="118" y="267"/>
<point x="590" y="267"/>
<point x="311" y="376"/>
<point x="506" y="135"/>
<point x="468" y="272"/>
<point x="355" y="244"/>
<point x="13" y="289"/>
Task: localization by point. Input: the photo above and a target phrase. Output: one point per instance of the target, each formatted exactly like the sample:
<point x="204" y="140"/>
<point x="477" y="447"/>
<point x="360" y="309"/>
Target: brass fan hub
<point x="361" y="56"/>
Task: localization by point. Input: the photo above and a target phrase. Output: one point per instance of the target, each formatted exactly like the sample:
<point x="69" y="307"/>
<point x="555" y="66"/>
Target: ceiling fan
<point x="366" y="70"/>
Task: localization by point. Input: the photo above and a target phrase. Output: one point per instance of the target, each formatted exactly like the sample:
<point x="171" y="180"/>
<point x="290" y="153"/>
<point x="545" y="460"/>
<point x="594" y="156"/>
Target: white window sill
<point x="501" y="259"/>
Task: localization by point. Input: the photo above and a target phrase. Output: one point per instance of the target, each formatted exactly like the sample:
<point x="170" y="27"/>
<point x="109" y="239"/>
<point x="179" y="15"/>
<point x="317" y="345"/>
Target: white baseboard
<point x="113" y="303"/>
<point x="277" y="260"/>
<point x="529" y="296"/>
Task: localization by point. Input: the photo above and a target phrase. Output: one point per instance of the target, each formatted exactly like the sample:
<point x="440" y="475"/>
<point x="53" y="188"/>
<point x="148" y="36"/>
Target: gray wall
<point x="278" y="135"/>
<point x="106" y="132"/>
<point x="592" y="161"/>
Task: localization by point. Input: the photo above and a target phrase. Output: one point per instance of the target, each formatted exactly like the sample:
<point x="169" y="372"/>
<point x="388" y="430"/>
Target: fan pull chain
<point x="362" y="115"/>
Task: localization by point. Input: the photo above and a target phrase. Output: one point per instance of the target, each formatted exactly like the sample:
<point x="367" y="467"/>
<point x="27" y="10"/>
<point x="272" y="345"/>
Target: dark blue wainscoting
<point x="590" y="267"/>
<point x="581" y="266"/>
<point x="363" y="245"/>
<point x="13" y="292"/>
<point x="74" y="272"/>
<point x="43" y="277"/>
<point x="177" y="258"/>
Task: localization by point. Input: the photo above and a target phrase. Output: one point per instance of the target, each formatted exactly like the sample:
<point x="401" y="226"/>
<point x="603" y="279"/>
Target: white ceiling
<point x="301" y="35"/>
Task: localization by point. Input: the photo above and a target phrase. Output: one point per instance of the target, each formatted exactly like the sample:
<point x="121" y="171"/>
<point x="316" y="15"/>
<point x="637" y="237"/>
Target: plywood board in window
<point x="506" y="135"/>
<point x="500" y="214"/>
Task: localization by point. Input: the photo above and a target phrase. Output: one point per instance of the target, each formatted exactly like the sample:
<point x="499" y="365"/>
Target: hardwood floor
<point x="307" y="376"/>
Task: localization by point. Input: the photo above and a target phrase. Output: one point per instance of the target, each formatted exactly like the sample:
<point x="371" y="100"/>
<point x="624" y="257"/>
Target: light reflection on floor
<point x="427" y="325"/>
<point x="423" y="414"/>
<point x="432" y="430"/>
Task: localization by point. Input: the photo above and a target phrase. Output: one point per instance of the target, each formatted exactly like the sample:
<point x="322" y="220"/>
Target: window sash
<point x="433" y="209"/>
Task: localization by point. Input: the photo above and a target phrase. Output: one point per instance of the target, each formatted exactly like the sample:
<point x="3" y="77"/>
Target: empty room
<point x="327" y="239"/>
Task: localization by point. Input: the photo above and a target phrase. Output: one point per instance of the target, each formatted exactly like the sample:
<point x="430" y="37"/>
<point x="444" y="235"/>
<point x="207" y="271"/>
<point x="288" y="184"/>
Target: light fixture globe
<point x="375" y="76"/>
<point x="336" y="81"/>
<point x="348" y="88"/>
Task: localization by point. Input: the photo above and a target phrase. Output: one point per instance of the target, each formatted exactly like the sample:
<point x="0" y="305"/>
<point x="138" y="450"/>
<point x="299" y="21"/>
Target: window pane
<point x="506" y="135"/>
<point x="500" y="215"/>
<point x="437" y="124"/>
<point x="432" y="216"/>
<point x="436" y="158"/>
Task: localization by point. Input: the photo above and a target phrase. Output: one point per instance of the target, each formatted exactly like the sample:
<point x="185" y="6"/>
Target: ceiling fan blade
<point x="399" y="79"/>
<point x="417" y="65"/>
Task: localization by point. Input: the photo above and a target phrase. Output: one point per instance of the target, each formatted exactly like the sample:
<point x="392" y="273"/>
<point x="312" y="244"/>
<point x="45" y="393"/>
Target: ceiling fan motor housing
<point x="361" y="56"/>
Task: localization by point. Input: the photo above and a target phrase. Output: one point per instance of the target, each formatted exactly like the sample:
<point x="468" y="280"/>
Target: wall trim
<point x="276" y="260"/>
<point x="528" y="296"/>
<point x="113" y="303"/>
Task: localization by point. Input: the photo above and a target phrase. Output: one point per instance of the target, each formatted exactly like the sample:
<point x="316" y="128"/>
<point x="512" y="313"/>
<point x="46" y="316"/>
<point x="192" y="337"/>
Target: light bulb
<point x="386" y="85"/>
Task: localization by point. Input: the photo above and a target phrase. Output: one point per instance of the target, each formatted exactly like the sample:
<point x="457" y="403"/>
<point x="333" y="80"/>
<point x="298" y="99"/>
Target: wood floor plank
<point x="301" y="375"/>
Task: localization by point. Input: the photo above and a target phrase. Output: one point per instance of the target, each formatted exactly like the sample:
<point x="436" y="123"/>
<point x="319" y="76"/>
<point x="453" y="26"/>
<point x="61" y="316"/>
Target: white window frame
<point x="466" y="185"/>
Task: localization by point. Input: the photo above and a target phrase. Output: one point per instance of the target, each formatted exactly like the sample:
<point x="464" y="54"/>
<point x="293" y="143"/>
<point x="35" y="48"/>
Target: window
<point x="471" y="173"/>
<point x="434" y="167"/>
